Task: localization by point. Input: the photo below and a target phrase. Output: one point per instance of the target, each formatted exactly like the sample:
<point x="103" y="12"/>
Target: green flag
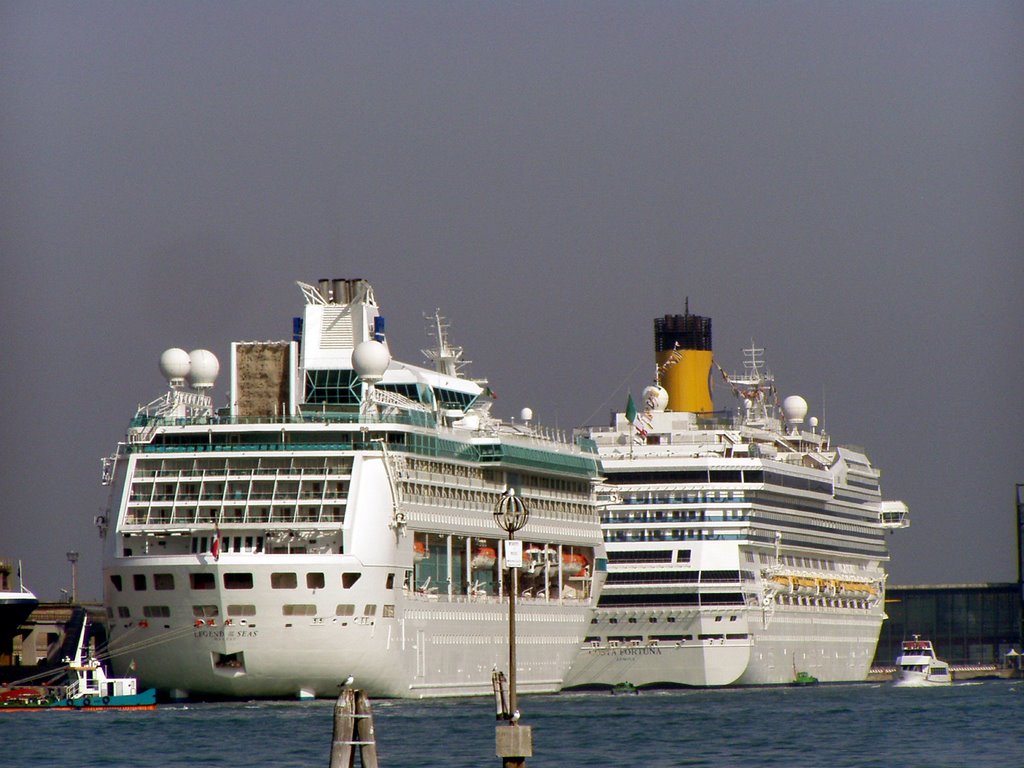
<point x="630" y="410"/>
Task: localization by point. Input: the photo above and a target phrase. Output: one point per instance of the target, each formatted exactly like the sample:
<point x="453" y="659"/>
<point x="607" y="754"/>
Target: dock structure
<point x="353" y="731"/>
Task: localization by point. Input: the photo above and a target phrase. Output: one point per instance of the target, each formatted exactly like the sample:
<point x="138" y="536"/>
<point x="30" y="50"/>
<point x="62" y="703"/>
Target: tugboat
<point x="917" y="665"/>
<point x="89" y="688"/>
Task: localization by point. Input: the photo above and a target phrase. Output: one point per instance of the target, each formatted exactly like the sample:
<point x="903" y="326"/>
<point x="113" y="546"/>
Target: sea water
<point x="979" y="725"/>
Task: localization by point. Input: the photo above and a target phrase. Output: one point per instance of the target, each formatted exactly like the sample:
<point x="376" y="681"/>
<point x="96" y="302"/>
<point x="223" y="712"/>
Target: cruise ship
<point x="16" y="604"/>
<point x="335" y="520"/>
<point x="744" y="547"/>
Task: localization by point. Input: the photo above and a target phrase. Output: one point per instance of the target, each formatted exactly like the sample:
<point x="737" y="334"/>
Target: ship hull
<point x="833" y="646"/>
<point x="426" y="646"/>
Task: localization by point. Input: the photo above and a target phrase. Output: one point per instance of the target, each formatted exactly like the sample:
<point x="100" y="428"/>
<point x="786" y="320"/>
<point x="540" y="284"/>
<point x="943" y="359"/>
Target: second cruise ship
<point x="745" y="547"/>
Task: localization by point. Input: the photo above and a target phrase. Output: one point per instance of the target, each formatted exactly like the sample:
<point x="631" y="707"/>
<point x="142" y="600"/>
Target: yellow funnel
<point x="682" y="349"/>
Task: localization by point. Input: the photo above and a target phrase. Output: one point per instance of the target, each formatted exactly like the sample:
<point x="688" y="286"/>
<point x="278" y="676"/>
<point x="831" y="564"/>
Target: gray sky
<point x="841" y="182"/>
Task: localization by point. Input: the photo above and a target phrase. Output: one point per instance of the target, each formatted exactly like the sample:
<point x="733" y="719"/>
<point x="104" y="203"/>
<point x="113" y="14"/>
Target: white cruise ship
<point x="744" y="548"/>
<point x="336" y="520"/>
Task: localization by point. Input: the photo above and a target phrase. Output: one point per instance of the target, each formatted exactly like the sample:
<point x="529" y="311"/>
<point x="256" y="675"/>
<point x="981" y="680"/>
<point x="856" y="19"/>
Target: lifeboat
<point x="574" y="565"/>
<point x="857" y="589"/>
<point x="484" y="558"/>
<point x="783" y="584"/>
<point x="420" y="551"/>
<point x="805" y="586"/>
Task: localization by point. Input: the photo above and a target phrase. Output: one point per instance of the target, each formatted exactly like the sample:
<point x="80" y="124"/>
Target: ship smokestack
<point x="682" y="349"/>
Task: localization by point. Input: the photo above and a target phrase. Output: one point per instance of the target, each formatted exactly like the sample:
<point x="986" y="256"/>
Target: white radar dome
<point x="656" y="398"/>
<point x="370" y="359"/>
<point x="526" y="414"/>
<point x="795" y="409"/>
<point x="174" y="365"/>
<point x="205" y="368"/>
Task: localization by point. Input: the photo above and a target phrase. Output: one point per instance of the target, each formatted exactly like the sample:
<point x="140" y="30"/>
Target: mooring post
<point x="353" y="727"/>
<point x="342" y="755"/>
<point x="364" y="731"/>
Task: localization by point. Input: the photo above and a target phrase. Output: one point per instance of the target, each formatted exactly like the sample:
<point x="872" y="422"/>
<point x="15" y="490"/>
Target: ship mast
<point x="446" y="358"/>
<point x="754" y="387"/>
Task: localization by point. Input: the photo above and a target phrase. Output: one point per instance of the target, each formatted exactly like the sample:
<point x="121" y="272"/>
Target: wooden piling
<point x="353" y="727"/>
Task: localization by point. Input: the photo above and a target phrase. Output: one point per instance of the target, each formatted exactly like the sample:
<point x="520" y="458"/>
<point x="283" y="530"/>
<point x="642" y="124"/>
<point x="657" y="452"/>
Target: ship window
<point x="370" y="609"/>
<point x="123" y="612"/>
<point x="283" y="581"/>
<point x="156" y="611"/>
<point x="388" y="612"/>
<point x="315" y="580"/>
<point x="348" y="580"/>
<point x="115" y="579"/>
<point x="205" y="611"/>
<point x="389" y="583"/>
<point x="332" y="386"/>
<point x="298" y="609"/>
<point x="345" y="609"/>
<point x="643" y="556"/>
<point x="237" y="581"/>
<point x="241" y="610"/>
<point x="163" y="581"/>
<point x="201" y="581"/>
<point x="140" y="582"/>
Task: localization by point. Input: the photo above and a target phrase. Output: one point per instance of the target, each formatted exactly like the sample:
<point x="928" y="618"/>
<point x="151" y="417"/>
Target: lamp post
<point x="73" y="559"/>
<point x="515" y="743"/>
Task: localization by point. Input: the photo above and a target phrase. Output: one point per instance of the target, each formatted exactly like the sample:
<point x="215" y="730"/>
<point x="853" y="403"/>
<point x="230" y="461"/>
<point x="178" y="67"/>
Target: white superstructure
<point x="335" y="520"/>
<point x="744" y="548"/>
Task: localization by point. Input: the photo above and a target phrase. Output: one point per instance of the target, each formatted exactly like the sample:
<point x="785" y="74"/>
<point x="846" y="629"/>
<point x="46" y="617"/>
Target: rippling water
<point x="970" y="724"/>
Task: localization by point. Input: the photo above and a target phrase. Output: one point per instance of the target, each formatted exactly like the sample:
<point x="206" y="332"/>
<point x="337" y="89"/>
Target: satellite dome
<point x="655" y="397"/>
<point x="795" y="408"/>
<point x="526" y="414"/>
<point x="174" y="365"/>
<point x="205" y="368"/>
<point x="370" y="359"/>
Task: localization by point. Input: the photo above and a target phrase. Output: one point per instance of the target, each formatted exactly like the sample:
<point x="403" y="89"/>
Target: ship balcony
<point x="144" y="515"/>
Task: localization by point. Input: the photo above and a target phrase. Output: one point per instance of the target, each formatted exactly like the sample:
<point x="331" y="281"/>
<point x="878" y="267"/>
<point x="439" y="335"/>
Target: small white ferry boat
<point x="917" y="665"/>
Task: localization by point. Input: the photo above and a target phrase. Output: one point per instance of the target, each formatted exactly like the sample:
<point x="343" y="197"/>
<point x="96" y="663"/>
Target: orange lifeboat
<point x="574" y="565"/>
<point x="420" y="551"/>
<point x="484" y="558"/>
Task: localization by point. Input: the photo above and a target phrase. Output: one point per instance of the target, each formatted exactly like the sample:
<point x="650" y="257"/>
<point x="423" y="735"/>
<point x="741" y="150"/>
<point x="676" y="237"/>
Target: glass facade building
<point x="967" y="623"/>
